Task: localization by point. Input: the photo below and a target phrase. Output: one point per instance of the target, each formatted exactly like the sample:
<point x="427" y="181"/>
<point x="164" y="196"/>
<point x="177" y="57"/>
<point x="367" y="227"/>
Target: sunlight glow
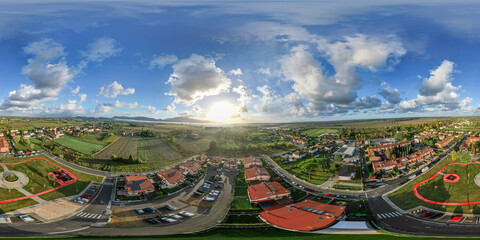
<point x="221" y="112"/>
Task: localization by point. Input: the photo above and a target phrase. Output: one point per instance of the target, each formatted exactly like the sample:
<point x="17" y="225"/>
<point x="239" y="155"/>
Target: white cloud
<point x="162" y="61"/>
<point x="132" y="106"/>
<point x="195" y="78"/>
<point x="75" y="90"/>
<point x="82" y="97"/>
<point x="245" y="97"/>
<point x="101" y="49"/>
<point x="47" y="73"/>
<point x="437" y="92"/>
<point x="72" y="107"/>
<point x="115" y="89"/>
<point x="264" y="71"/>
<point x="438" y="79"/>
<point x="235" y="72"/>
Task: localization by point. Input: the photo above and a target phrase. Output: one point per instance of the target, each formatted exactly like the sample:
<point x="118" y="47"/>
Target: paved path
<point x="26" y="193"/>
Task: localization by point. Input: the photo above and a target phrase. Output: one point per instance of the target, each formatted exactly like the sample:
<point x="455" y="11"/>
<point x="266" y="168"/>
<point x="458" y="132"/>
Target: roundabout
<point x="13" y="180"/>
<point x="456" y="184"/>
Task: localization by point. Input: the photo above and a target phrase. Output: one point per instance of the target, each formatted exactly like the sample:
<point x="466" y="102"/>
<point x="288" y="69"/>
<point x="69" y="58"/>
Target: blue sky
<point x="240" y="61"/>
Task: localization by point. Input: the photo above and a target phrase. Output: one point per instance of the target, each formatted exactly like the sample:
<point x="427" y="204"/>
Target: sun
<point x="221" y="112"/>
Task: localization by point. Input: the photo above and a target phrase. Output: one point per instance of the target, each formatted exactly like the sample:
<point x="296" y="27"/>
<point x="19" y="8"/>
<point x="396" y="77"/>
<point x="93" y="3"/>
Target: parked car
<point x="169" y="220"/>
<point x="186" y="214"/>
<point x="169" y="207"/>
<point x="175" y="216"/>
<point x="148" y="210"/>
<point x="139" y="211"/>
<point x="26" y="218"/>
<point x="152" y="220"/>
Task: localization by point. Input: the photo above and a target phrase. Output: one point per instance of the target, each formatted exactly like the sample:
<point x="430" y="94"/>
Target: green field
<point x="315" y="132"/>
<point x="317" y="175"/>
<point x="37" y="171"/>
<point x="436" y="189"/>
<point x="79" y="145"/>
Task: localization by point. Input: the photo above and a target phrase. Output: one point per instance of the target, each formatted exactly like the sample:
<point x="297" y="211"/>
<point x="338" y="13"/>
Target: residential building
<point x="256" y="174"/>
<point x="402" y="162"/>
<point x="267" y="191"/>
<point x="251" y="161"/>
<point x="3" y="145"/>
<point x="138" y="184"/>
<point x="445" y="142"/>
<point x="190" y="167"/>
<point x="171" y="177"/>
<point x="347" y="173"/>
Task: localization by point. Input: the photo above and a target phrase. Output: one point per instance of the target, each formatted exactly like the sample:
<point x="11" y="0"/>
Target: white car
<point x="186" y="214"/>
<point x="166" y="219"/>
<point x="26" y="218"/>
<point x="208" y="199"/>
<point x="175" y="216"/>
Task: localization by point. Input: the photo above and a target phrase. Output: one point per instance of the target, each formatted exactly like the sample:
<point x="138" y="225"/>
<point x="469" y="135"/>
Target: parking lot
<point x="431" y="215"/>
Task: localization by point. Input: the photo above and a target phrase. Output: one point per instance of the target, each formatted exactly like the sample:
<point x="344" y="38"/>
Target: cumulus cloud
<point x="195" y="78"/>
<point x="114" y="89"/>
<point x="101" y="49"/>
<point x="235" y="72"/>
<point x="264" y="71"/>
<point x="82" y="97"/>
<point x="162" y="61"/>
<point x="392" y="95"/>
<point x="438" y="79"/>
<point x="107" y="107"/>
<point x="245" y="97"/>
<point x="72" y="107"/>
<point x="437" y="92"/>
<point x="47" y="72"/>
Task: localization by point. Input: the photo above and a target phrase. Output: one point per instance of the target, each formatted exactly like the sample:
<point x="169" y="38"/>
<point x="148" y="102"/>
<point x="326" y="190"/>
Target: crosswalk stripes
<point x="389" y="215"/>
<point x="89" y="215"/>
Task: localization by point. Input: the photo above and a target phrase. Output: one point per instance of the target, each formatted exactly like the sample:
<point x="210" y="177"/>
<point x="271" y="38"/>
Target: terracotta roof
<point x="252" y="160"/>
<point x="3" y="143"/>
<point x="171" y="175"/>
<point x="256" y="172"/>
<point x="191" y="166"/>
<point x="304" y="216"/>
<point x="138" y="183"/>
<point x="266" y="191"/>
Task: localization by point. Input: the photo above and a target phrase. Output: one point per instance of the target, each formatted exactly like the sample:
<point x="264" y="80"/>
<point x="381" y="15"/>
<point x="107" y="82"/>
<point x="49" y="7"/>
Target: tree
<point x="338" y="158"/>
<point x="172" y="139"/>
<point x="465" y="156"/>
<point x="454" y="155"/>
<point x="213" y="145"/>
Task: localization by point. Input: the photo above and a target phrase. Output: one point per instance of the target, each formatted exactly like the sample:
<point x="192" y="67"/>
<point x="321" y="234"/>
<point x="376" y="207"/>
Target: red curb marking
<point x="454" y="180"/>
<point x="415" y="190"/>
<point x="44" y="192"/>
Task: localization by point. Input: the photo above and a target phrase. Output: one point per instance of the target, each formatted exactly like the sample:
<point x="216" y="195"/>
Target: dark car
<point x="152" y="220"/>
<point x="149" y="210"/>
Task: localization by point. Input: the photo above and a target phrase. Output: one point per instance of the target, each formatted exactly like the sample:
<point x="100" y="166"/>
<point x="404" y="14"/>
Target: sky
<point x="240" y="61"/>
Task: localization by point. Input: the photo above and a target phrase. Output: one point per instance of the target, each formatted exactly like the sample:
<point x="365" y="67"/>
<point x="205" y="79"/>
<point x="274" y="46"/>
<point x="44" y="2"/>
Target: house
<point x="232" y="163"/>
<point x="171" y="177"/>
<point x="215" y="161"/>
<point x="382" y="148"/>
<point x="138" y="184"/>
<point x="402" y="162"/>
<point x="190" y="167"/>
<point x="347" y="173"/>
<point x="249" y="162"/>
<point x="445" y="142"/>
<point x="267" y="191"/>
<point x="298" y="155"/>
<point x="3" y="145"/>
<point x="312" y="149"/>
<point x="201" y="159"/>
<point x="256" y="174"/>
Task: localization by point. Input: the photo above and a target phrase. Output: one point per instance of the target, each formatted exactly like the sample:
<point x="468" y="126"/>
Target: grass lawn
<point x="8" y="207"/>
<point x="241" y="192"/>
<point x="241" y="204"/>
<point x="78" y="145"/>
<point x="437" y="190"/>
<point x="37" y="171"/>
<point x="345" y="187"/>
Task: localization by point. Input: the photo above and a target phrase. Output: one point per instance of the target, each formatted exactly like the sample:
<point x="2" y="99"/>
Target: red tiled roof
<point x="301" y="216"/>
<point x="190" y="166"/>
<point x="142" y="181"/>
<point x="252" y="160"/>
<point x="256" y="172"/>
<point x="171" y="175"/>
<point x="3" y="143"/>
<point x="266" y="191"/>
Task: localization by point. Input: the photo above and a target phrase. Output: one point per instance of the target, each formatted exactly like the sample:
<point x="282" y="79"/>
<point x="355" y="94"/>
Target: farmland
<point x="150" y="150"/>
<point x="79" y="145"/>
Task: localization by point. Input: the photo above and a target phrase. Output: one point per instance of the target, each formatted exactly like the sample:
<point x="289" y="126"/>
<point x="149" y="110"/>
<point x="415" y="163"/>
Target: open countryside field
<point x="315" y="132"/>
<point x="151" y="150"/>
<point x="195" y="145"/>
<point x="79" y="145"/>
<point x="436" y="189"/>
